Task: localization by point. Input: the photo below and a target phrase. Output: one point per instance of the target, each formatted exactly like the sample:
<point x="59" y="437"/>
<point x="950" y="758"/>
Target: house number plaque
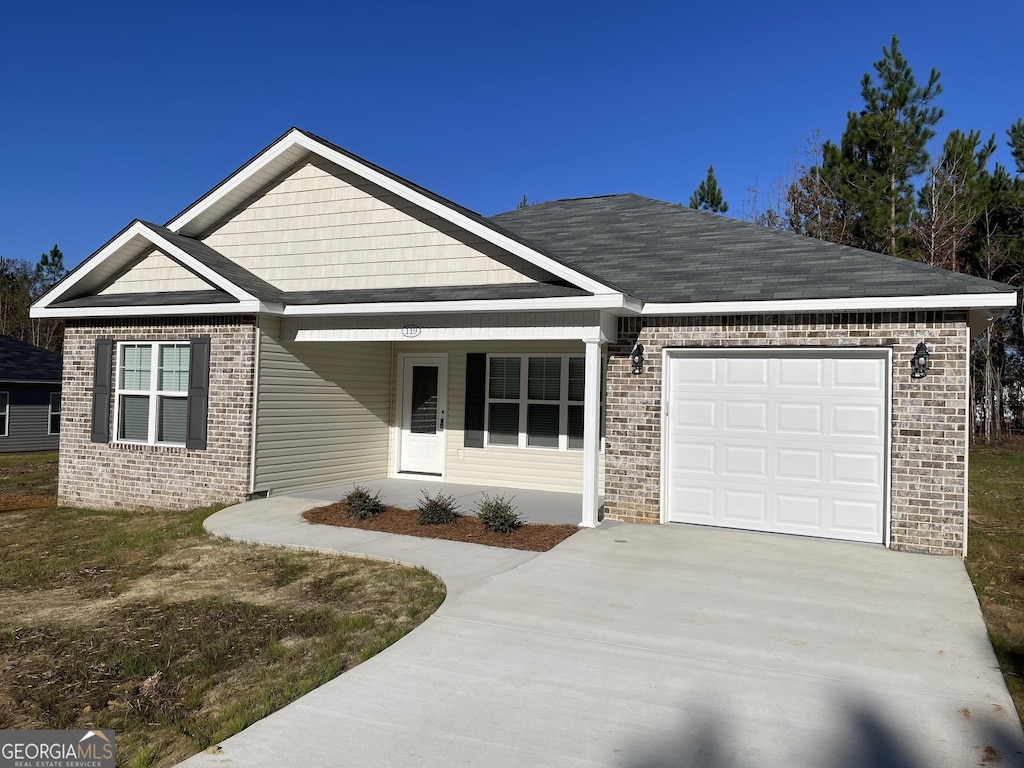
<point x="411" y="331"/>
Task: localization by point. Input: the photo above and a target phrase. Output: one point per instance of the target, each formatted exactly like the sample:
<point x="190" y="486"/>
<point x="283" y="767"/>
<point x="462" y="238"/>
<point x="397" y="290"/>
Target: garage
<point x="780" y="440"/>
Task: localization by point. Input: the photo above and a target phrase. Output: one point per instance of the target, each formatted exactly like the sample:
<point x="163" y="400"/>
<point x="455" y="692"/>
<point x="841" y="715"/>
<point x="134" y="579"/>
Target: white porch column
<point x="591" y="431"/>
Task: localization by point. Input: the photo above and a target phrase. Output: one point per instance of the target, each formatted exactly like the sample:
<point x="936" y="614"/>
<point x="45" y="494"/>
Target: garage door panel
<point x="858" y="374"/>
<point x="745" y="461"/>
<point x="856" y="468"/>
<point x="857" y="421"/>
<point x="856" y="518"/>
<point x="798" y="418"/>
<point x="744" y="507"/>
<point x="791" y="441"/>
<point x="693" y="458"/>
<point x="801" y="373"/>
<point x="745" y="372"/>
<point x="694" y="414"/>
<point x="746" y="416"/>
<point x="799" y="512"/>
<point x="800" y="465"/>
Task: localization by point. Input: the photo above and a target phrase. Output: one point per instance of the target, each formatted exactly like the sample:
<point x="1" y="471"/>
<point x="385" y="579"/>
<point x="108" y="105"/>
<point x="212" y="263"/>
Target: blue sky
<point x="115" y="110"/>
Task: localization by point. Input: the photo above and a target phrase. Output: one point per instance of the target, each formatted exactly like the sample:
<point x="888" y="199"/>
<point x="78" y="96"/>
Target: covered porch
<point x="533" y="506"/>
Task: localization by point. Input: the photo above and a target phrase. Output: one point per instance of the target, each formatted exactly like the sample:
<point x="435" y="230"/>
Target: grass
<point x="995" y="555"/>
<point x="143" y="623"/>
<point x="28" y="480"/>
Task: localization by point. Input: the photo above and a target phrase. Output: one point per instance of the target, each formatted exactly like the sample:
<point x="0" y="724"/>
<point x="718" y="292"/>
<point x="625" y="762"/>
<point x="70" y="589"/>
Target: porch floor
<point x="532" y="506"/>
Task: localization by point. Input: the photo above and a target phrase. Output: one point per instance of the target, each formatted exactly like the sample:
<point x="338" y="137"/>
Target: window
<point x="5" y="403"/>
<point x="152" y="392"/>
<point x="54" y="413"/>
<point x="535" y="401"/>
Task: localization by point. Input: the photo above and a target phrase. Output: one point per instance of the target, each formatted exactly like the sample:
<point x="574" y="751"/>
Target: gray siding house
<point x="30" y="401"/>
<point x="316" y="320"/>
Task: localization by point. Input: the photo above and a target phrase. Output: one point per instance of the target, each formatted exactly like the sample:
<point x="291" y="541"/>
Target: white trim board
<point x="856" y="304"/>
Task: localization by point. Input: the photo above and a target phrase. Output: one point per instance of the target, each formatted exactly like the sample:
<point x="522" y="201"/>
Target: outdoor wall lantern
<point x="919" y="362"/>
<point x="636" y="357"/>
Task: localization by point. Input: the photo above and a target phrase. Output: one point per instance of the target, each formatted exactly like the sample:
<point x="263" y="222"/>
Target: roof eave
<point x="993" y="300"/>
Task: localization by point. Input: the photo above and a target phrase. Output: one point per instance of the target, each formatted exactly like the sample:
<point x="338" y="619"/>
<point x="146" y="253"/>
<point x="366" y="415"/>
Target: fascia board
<point x="133" y="230"/>
<point x="907" y="303"/>
<point x="602" y="302"/>
<point x="242" y="175"/>
<point x="239" y="308"/>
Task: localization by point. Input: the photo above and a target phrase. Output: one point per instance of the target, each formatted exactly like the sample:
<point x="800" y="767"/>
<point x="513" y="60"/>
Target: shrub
<point x="498" y="515"/>
<point x="437" y="509"/>
<point x="362" y="505"/>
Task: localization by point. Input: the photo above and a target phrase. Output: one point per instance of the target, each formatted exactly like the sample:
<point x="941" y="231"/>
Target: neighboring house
<point x="29" y="397"/>
<point x="315" y="320"/>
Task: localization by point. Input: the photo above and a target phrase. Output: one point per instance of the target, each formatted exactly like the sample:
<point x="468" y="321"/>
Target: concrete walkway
<point x="650" y="647"/>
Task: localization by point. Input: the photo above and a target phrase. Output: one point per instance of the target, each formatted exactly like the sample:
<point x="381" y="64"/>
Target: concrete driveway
<point x="650" y="647"/>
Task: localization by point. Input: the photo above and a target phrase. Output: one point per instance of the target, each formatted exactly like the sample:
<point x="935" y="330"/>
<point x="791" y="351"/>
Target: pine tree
<point x="882" y="149"/>
<point x="708" y="196"/>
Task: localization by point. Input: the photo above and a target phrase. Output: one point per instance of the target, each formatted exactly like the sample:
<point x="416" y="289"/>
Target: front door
<point x="423" y="409"/>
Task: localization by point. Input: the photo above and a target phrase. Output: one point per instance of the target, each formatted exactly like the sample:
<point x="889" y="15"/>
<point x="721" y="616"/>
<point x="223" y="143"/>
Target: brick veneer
<point x="109" y="475"/>
<point x="929" y="431"/>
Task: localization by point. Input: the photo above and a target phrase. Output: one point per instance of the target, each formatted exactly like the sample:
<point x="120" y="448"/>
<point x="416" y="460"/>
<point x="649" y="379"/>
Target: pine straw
<point x="532" y="537"/>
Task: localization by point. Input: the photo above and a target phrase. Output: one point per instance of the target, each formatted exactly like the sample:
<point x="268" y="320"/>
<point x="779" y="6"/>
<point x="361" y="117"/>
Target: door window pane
<point x="423" y="416"/>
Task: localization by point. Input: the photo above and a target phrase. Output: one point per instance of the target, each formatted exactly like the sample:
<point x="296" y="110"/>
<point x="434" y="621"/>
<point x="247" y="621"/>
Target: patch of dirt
<point x="532" y="537"/>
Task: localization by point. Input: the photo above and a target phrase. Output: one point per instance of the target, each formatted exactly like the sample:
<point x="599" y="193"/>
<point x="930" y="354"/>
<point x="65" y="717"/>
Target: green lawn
<point x="995" y="555"/>
<point x="143" y="623"/>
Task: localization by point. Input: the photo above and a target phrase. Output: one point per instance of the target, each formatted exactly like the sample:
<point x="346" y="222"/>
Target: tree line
<point x="880" y="189"/>
<point x="21" y="283"/>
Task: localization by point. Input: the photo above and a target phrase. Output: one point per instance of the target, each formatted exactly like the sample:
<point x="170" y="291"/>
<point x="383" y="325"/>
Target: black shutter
<point x="476" y="395"/>
<point x="102" y="370"/>
<point x="198" y="393"/>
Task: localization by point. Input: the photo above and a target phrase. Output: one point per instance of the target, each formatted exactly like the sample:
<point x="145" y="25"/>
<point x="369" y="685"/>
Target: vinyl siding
<point x="29" y="418"/>
<point x="156" y="273"/>
<point x="323" y="412"/>
<point x="323" y="228"/>
<point x="533" y="468"/>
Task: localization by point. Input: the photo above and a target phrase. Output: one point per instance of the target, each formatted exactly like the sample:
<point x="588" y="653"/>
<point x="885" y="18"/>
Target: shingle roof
<point x="438" y="293"/>
<point x="221" y="264"/>
<point x="661" y="252"/>
<point x="23" y="362"/>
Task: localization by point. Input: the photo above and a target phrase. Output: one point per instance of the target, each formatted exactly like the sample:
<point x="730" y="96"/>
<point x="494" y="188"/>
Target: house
<point x="315" y="319"/>
<point x="29" y="397"/>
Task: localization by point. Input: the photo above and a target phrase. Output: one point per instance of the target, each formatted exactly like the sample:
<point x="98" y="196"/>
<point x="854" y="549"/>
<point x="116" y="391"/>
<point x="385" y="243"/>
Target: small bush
<point x="498" y="515"/>
<point x="362" y="505"/>
<point x="437" y="509"/>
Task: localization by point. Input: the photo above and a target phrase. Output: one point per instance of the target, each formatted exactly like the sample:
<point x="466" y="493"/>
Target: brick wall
<point x="109" y="475"/>
<point x="929" y="434"/>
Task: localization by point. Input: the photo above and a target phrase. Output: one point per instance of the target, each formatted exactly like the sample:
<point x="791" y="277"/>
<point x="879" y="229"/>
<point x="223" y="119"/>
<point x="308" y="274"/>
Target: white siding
<point x="156" y="273"/>
<point x="534" y="468"/>
<point x="324" y="228"/>
<point x="323" y="412"/>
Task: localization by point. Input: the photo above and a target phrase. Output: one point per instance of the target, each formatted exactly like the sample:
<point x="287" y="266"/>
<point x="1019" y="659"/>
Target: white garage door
<point x="778" y="440"/>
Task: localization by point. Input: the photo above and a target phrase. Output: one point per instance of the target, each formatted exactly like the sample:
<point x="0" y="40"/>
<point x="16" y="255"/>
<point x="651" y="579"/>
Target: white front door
<point x="423" y="414"/>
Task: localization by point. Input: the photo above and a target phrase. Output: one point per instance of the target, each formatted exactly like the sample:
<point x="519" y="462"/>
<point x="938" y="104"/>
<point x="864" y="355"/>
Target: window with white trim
<point x="5" y="412"/>
<point x="535" y="401"/>
<point x="152" y="392"/>
<point x="54" y="427"/>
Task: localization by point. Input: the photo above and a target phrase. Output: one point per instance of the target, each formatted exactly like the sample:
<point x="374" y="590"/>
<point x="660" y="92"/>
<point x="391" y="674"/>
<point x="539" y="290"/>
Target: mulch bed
<point x="533" y="537"/>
